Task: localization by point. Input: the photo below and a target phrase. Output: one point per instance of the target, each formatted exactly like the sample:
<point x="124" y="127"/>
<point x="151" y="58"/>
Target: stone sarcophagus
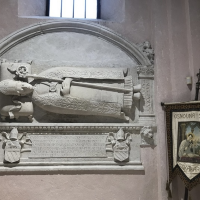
<point x="71" y="147"/>
<point x="72" y="107"/>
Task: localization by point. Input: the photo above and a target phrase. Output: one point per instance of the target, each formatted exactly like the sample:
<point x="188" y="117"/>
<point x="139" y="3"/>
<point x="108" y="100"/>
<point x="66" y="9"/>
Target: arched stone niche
<point x="85" y="48"/>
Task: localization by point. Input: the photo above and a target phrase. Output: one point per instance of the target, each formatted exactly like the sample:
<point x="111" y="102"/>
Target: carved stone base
<point x="74" y="147"/>
<point x="132" y="166"/>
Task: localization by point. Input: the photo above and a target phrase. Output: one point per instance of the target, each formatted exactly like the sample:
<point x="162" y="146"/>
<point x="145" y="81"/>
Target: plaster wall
<point x="172" y="27"/>
<point x="31" y="8"/>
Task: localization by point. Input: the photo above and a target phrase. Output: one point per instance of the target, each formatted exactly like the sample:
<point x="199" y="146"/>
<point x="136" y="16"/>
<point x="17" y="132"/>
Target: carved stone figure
<point x="120" y="143"/>
<point x="147" y="135"/>
<point x="147" y="50"/>
<point x="12" y="144"/>
<point x="106" y="92"/>
<point x="88" y="91"/>
<point x="18" y="109"/>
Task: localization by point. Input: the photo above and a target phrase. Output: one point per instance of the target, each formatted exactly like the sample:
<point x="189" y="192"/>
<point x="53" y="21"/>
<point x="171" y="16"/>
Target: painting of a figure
<point x="188" y="142"/>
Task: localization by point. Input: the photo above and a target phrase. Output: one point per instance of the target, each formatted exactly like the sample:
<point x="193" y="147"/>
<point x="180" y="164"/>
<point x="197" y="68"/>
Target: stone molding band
<point x="65" y="169"/>
<point x="69" y="127"/>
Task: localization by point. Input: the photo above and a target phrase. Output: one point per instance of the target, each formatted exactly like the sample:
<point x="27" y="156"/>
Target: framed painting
<point x="183" y="138"/>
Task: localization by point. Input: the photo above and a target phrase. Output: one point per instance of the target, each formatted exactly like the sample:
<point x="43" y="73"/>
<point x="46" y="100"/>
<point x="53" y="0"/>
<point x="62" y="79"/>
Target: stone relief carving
<point x="83" y="146"/>
<point x="64" y="145"/>
<point x="147" y="96"/>
<point x="120" y="144"/>
<point x="19" y="72"/>
<point x="18" y="69"/>
<point x="147" y="50"/>
<point x="13" y="145"/>
<point x="147" y="136"/>
<point x="145" y="70"/>
<point x="74" y="92"/>
<point x="104" y="92"/>
<point x="146" y="78"/>
<point x="71" y="127"/>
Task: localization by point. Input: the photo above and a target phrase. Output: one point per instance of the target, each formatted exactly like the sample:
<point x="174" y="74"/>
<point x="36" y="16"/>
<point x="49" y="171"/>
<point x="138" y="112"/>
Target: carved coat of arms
<point x="12" y="145"/>
<point x="121" y="145"/>
<point x="12" y="151"/>
<point x="121" y="150"/>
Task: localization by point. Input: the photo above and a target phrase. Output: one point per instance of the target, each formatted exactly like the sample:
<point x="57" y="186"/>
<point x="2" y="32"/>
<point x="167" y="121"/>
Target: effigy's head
<point x="19" y="88"/>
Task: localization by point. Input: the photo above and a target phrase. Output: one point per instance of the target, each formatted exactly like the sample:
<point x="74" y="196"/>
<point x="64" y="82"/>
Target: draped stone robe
<point x="85" y="100"/>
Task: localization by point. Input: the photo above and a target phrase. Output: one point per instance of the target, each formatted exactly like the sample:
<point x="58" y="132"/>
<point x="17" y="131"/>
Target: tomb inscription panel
<point x="68" y="146"/>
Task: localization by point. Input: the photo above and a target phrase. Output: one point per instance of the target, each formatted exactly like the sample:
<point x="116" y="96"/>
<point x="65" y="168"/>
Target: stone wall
<point x="172" y="27"/>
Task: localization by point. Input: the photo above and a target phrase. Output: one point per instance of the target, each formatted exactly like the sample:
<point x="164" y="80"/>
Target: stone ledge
<point x="61" y="169"/>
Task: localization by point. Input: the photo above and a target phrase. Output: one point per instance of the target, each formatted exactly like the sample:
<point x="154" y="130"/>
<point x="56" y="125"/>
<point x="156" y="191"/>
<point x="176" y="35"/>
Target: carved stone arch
<point x="73" y="26"/>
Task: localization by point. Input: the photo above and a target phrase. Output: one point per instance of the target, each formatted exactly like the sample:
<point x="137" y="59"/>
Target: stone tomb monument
<point x="74" y="96"/>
